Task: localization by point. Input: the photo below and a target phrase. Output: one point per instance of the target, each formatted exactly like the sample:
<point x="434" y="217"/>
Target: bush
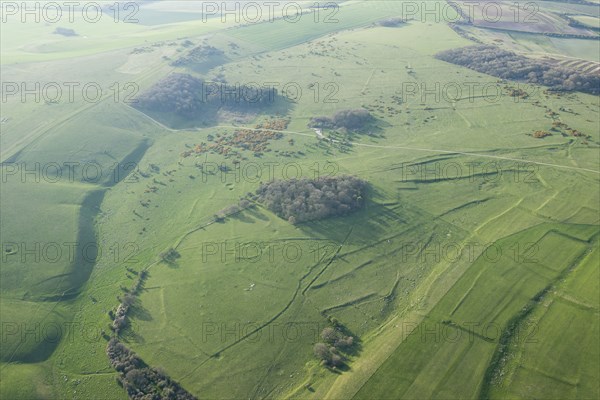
<point x="136" y="378"/>
<point x="329" y="335"/>
<point x="322" y="352"/>
<point x="344" y="342"/>
<point x="336" y="360"/>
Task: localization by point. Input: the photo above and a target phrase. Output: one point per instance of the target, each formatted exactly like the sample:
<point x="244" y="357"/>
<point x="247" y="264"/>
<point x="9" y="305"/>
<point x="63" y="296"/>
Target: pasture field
<point x="465" y="325"/>
<point x="523" y="17"/>
<point x="471" y="272"/>
<point x="562" y="351"/>
<point x="538" y="44"/>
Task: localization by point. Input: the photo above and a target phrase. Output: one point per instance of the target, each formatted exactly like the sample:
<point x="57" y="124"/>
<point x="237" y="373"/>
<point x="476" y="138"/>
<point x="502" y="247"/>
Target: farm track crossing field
<point x="466" y="324"/>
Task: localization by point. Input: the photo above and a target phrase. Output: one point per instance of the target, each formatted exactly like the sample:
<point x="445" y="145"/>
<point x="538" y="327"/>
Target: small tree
<point x="344" y="342"/>
<point x="136" y="378"/>
<point x="329" y="335"/>
<point x="322" y="352"/>
<point x="128" y="300"/>
<point x="336" y="360"/>
<point x="170" y="255"/>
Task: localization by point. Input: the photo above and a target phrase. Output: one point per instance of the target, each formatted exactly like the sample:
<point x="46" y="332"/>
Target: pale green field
<point x="538" y="44"/>
<point x="593" y="22"/>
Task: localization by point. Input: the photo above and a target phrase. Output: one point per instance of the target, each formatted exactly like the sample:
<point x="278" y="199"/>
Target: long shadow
<point x="86" y="248"/>
<point x="257" y="213"/>
<point x="138" y="311"/>
<point x="374" y="221"/>
<point x="242" y="217"/>
<point x="243" y="104"/>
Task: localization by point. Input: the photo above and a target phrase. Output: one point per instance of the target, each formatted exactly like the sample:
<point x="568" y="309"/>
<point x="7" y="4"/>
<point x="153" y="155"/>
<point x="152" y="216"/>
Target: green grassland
<point x="458" y="340"/>
<point x="528" y="37"/>
<point x="21" y="43"/>
<point x="538" y="44"/>
<point x="561" y="352"/>
<point x="210" y="319"/>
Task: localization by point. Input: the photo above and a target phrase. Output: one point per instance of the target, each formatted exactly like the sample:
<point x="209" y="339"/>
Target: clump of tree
<point x="177" y="93"/>
<point x="222" y="215"/>
<point x="120" y="321"/>
<point x="541" y="134"/>
<point x="170" y="256"/>
<point x="505" y="64"/>
<point x="65" y="32"/>
<point x="229" y="210"/>
<point x="192" y="98"/>
<point x="351" y="120"/>
<point x="391" y="22"/>
<point x="299" y="200"/>
<point x="232" y="210"/>
<point x="140" y="380"/>
<point x="198" y="55"/>
<point x="119" y="317"/>
<point x="335" y="343"/>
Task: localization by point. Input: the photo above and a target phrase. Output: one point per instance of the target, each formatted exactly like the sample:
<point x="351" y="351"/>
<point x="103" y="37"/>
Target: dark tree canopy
<point x="350" y="119"/>
<point x="65" y="31"/>
<point x="139" y="380"/>
<point x="177" y="93"/>
<point x="330" y="352"/>
<point x="191" y="97"/>
<point x="309" y="199"/>
<point x="505" y="64"/>
<point x="198" y="55"/>
<point x="391" y="22"/>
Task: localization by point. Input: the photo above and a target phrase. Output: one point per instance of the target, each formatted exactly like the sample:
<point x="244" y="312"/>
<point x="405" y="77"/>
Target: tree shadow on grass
<point x="257" y="213"/>
<point x="242" y="217"/>
<point x="130" y="334"/>
<point x="171" y="264"/>
<point x="368" y="225"/>
<point x="138" y="311"/>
